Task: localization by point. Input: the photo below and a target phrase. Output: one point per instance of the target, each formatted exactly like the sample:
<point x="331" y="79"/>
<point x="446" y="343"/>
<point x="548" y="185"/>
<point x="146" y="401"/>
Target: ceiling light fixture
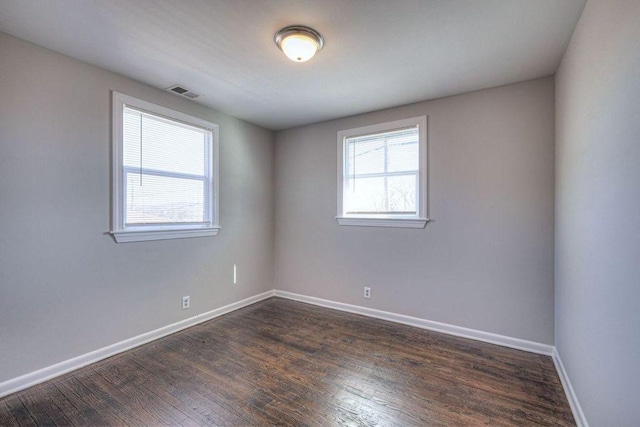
<point x="298" y="42"/>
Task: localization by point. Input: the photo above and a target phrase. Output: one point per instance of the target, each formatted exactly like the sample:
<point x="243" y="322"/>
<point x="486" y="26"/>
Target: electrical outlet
<point x="186" y="302"/>
<point x="367" y="293"/>
<point x="235" y="274"/>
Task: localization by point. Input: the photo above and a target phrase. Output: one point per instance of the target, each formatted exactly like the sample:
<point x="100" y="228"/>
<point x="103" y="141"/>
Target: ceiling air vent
<point x="182" y="91"/>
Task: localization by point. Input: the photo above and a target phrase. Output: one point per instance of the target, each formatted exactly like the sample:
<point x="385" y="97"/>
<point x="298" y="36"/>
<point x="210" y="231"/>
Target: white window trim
<point x="124" y="234"/>
<point x="414" y="221"/>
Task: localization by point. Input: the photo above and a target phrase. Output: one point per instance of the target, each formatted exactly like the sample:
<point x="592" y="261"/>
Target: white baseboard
<point x="578" y="415"/>
<point x="36" y="377"/>
<point x="458" y="331"/>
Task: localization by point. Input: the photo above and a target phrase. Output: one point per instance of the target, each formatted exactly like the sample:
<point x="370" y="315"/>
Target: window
<point x="382" y="176"/>
<point x="165" y="173"/>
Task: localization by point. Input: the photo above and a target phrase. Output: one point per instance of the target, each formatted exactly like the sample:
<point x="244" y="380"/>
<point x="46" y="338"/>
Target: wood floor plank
<point x="65" y="406"/>
<point x="288" y="363"/>
<point x="197" y="406"/>
<point x="41" y="407"/>
<point x="146" y="406"/>
<point x="99" y="411"/>
<point x="18" y="411"/>
<point x="7" y="417"/>
<point x="224" y="402"/>
<point x="132" y="378"/>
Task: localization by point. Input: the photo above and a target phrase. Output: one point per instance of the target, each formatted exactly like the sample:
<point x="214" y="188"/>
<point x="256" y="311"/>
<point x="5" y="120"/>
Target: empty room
<point x="320" y="212"/>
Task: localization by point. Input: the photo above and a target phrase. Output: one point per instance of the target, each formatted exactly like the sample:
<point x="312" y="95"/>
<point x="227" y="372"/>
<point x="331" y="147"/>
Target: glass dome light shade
<point x="298" y="42"/>
<point x="299" y="47"/>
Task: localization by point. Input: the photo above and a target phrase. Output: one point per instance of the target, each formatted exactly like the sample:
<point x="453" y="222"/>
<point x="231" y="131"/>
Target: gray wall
<point x="485" y="262"/>
<point x="65" y="287"/>
<point x="598" y="212"/>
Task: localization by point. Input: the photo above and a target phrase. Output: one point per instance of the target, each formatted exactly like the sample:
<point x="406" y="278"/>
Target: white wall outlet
<point x="367" y="293"/>
<point x="186" y="302"/>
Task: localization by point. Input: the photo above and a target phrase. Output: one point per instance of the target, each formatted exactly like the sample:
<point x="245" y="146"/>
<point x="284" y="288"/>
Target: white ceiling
<point x="378" y="53"/>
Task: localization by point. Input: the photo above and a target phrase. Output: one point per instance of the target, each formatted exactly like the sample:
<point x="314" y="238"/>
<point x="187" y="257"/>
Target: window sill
<point x="142" y="236"/>
<point x="384" y="222"/>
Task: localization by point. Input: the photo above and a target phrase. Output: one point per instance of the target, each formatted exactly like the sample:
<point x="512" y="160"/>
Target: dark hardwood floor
<point x="287" y="363"/>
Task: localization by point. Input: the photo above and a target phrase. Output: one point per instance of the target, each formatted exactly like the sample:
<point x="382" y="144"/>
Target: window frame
<point x="420" y="219"/>
<point x="123" y="233"/>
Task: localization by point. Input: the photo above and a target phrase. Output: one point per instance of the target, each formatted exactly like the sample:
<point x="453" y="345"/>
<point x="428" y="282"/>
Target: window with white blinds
<point x="165" y="174"/>
<point x="382" y="174"/>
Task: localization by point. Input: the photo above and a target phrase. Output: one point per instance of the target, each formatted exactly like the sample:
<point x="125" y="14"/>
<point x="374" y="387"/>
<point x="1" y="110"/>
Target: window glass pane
<point x="160" y="199"/>
<point x="365" y="156"/>
<point x="402" y="153"/>
<point x="395" y="151"/>
<point x="163" y="144"/>
<point x="381" y="195"/>
<point x="402" y="193"/>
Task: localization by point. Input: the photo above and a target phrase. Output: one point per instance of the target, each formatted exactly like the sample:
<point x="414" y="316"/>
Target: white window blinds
<point x="381" y="173"/>
<point x="166" y="170"/>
